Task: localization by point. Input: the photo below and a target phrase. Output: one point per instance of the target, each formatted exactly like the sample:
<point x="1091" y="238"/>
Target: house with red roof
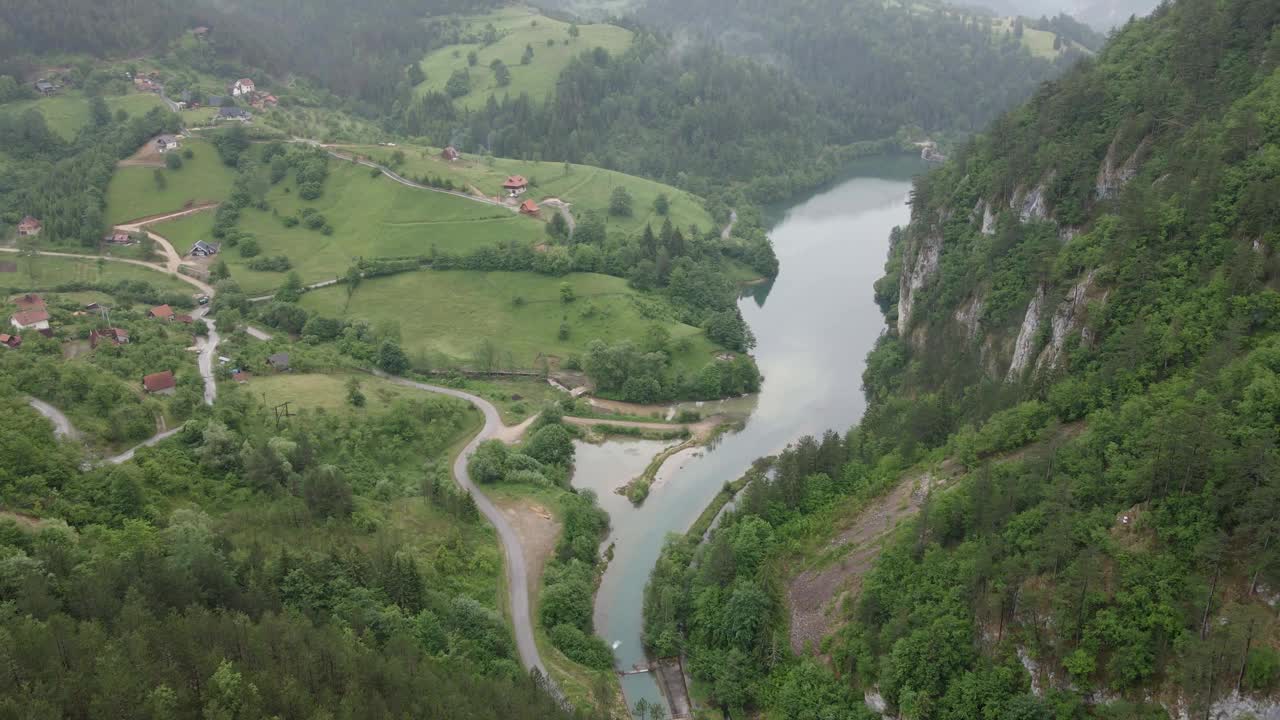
<point x="243" y="86"/>
<point x="12" y="342"/>
<point x="161" y="383"/>
<point x="515" y="185"/>
<point x="29" y="227"/>
<point x="161" y="312"/>
<point x="529" y="207"/>
<point x="30" y="320"/>
<point x="30" y="301"/>
<point x="450" y="154"/>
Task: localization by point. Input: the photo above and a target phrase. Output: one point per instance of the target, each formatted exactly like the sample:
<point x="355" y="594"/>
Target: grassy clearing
<point x="371" y="217"/>
<point x="517" y="27"/>
<point x="67" y="112"/>
<point x="133" y="192"/>
<point x="584" y="187"/>
<point x="328" y="391"/>
<point x="515" y="399"/>
<point x="449" y="315"/>
<point x="43" y="271"/>
<point x="1039" y="42"/>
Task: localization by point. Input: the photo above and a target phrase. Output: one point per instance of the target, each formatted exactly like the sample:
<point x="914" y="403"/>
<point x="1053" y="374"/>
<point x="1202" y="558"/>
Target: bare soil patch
<point x="538" y="530"/>
<point x="815" y="596"/>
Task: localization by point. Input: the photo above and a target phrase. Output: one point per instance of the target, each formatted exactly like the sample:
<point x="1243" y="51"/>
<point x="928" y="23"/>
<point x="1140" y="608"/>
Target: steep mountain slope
<point x="1080" y="397"/>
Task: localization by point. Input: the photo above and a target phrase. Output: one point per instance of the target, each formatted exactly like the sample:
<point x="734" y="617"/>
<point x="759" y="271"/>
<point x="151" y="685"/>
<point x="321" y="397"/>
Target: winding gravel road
<point x="517" y="572"/>
<point x="62" y="426"/>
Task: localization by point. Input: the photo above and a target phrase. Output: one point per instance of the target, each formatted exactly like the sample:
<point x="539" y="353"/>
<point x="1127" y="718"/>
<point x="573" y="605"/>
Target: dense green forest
<point x="252" y="570"/>
<point x="1086" y="363"/>
<point x="874" y="66"/>
<point x="374" y="40"/>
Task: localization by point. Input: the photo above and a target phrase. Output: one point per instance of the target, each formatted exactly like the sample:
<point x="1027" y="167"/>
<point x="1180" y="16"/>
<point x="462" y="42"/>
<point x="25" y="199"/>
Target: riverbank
<point x="814" y="326"/>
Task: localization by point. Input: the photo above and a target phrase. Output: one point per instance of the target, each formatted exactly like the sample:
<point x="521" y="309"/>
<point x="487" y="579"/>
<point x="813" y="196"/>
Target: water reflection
<point x="813" y="336"/>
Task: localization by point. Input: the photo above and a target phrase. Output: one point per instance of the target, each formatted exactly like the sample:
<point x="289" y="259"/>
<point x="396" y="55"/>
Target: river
<point x="814" y="326"/>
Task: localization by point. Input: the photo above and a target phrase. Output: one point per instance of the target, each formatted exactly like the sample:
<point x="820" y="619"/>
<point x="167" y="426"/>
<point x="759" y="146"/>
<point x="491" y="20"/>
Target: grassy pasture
<point x="133" y="192"/>
<point x="517" y="27"/>
<point x="449" y="315"/>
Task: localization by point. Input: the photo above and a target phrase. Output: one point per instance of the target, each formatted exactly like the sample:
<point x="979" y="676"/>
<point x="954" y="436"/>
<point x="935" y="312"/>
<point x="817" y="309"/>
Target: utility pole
<point x="282" y="412"/>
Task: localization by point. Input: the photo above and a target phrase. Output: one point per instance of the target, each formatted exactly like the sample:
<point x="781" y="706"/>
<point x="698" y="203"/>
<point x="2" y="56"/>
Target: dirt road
<point x="517" y="567"/>
<point x="62" y="426"/>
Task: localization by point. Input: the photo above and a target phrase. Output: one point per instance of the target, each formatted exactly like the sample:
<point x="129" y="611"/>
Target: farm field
<point x="517" y="27"/>
<point x="1039" y="42"/>
<point x="449" y="315"/>
<point x="67" y="112"/>
<point x="45" y="272"/>
<point x="584" y="187"/>
<point x="328" y="391"/>
<point x="133" y="192"/>
<point x="371" y="217"/>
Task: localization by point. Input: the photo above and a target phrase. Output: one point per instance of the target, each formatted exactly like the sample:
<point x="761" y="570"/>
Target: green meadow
<point x="134" y="193"/>
<point x="517" y="27"/>
<point x="328" y="391"/>
<point x="583" y="186"/>
<point x="67" y="112"/>
<point x="449" y="315"/>
<point x="371" y="217"/>
<point x="44" y="272"/>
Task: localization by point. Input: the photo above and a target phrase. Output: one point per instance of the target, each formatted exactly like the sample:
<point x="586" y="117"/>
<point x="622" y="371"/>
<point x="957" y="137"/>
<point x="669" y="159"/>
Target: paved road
<point x="305" y="288"/>
<point x="127" y="455"/>
<point x="62" y="426"/>
<point x="517" y="572"/>
<point x="400" y="179"/>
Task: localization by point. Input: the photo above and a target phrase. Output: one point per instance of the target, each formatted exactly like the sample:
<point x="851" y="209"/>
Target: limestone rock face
<point x="1114" y="175"/>
<point x="918" y="268"/>
<point x="1024" y="346"/>
<point x="1068" y="318"/>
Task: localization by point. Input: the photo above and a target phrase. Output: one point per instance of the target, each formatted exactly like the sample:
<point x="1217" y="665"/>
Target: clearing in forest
<point x="508" y="319"/>
<point x="513" y="29"/>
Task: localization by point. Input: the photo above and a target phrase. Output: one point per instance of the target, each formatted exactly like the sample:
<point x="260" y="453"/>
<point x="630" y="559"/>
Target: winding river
<point x="815" y="325"/>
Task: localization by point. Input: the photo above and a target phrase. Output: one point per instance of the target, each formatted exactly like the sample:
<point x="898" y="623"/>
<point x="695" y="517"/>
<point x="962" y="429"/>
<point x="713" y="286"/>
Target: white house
<point x="165" y="143"/>
<point x="30" y="320"/>
<point x="243" y="86"/>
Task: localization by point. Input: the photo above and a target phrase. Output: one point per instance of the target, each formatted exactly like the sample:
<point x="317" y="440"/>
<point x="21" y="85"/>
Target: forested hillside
<point x="356" y="50"/>
<point x="874" y="66"/>
<point x="1081" y="391"/>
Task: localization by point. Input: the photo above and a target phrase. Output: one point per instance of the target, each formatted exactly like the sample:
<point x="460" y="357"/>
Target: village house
<point x="161" y="312"/>
<point x="234" y="113"/>
<point x="201" y="33"/>
<point x="279" y="361"/>
<point x="243" y="86"/>
<point x="515" y="185"/>
<point x="204" y="249"/>
<point x="146" y="84"/>
<point x="263" y="102"/>
<point x="450" y="154"/>
<point x="529" y="207"/>
<point x="161" y="383"/>
<point x="29" y="302"/>
<point x="13" y="342"/>
<point x="29" y="227"/>
<point x="118" y="238"/>
<point x="116" y="336"/>
<point x="31" y="320"/>
<point x="44" y="87"/>
<point x="165" y="143"/>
